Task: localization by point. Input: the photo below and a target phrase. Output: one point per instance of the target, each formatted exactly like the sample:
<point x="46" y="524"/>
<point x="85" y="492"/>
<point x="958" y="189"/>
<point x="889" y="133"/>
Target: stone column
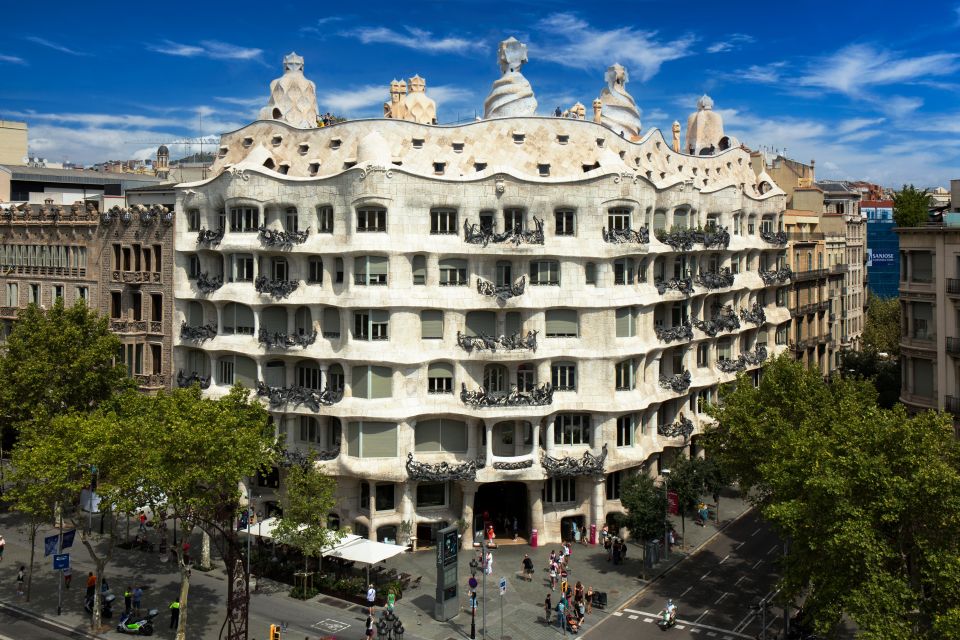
<point x="536" y="440"/>
<point x="408" y="508"/>
<point x="518" y="446"/>
<point x="219" y="309"/>
<point x="488" y="429"/>
<point x="548" y="436"/>
<point x="597" y="503"/>
<point x="469" y="490"/>
<point x="535" y="498"/>
<point x="372" y="508"/>
<point x="324" y="370"/>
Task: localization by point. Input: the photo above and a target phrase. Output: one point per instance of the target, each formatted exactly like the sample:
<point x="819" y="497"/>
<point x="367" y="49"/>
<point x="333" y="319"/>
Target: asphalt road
<point x="713" y="590"/>
<point x="14" y="627"/>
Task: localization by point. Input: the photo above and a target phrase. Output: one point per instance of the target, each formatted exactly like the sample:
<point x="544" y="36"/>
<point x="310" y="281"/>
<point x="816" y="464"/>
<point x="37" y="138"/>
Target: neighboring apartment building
<point x="883" y="259"/>
<point x="13" y="143"/>
<point x="37" y="185"/>
<point x="788" y="174"/>
<point x="842" y="199"/>
<point x="505" y="317"/>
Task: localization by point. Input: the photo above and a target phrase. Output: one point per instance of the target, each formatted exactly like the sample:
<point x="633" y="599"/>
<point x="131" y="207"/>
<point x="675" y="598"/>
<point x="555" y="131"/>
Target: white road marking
<point x="697" y="627"/>
<point x="745" y="622"/>
<point x="725" y="558"/>
<point x="739" y="580"/>
<point x="758" y="564"/>
<point x="700" y="617"/>
<point x="695" y="630"/>
<point x="711" y="634"/>
<point x="648" y="619"/>
<point x="722" y="596"/>
<point x="632" y="617"/>
<point x="704" y="576"/>
<point x="737" y="548"/>
<point x="755" y="533"/>
<point x="727" y="637"/>
<point x="618" y="613"/>
<point x="685" y="591"/>
<point x="773" y="548"/>
<point x="680" y="626"/>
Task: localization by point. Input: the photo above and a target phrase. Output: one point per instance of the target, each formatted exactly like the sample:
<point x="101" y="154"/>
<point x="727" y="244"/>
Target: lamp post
<point x="473" y="608"/>
<point x="666" y="521"/>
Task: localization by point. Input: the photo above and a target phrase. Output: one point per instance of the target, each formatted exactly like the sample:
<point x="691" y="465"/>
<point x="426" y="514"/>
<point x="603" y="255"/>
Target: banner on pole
<point x="50" y="544"/>
<point x="68" y="537"/>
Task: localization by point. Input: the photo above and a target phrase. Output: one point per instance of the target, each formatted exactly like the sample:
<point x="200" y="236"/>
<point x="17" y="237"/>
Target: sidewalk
<point x="522" y="605"/>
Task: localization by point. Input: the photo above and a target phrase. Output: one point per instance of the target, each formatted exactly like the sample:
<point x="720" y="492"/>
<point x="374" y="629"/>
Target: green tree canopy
<point x="646" y="507"/>
<point x="911" y="206"/>
<point x="58" y="361"/>
<point x="869" y="498"/>
<point x="881" y="331"/>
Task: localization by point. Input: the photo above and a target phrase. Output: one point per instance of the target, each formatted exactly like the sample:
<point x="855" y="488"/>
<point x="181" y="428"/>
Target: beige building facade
<point x="13" y="142"/>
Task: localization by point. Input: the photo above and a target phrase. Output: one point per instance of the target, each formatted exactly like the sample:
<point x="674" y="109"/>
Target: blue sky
<point x="868" y="89"/>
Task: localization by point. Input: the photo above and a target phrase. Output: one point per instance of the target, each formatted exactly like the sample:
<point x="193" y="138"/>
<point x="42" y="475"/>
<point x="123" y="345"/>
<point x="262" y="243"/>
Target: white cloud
<point x="448" y="94"/>
<point x="735" y="41"/>
<point x="763" y="73"/>
<point x="55" y="46"/>
<point x="367" y="98"/>
<point x="415" y="38"/>
<point x="572" y="42"/>
<point x="896" y="106"/>
<point x="119" y="120"/>
<point x="208" y="49"/>
<point x="12" y="59"/>
<point x="858" y="67"/>
<point x="856" y="124"/>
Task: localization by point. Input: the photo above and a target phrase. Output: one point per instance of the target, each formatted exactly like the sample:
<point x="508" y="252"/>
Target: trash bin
<point x="593" y="533"/>
<point x="534" y="538"/>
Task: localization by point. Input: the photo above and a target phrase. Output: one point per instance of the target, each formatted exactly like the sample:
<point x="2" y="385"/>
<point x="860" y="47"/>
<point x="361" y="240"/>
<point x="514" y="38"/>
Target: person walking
<point x="488" y="565"/>
<point x="127" y="598"/>
<point x="174" y="613"/>
<point x="137" y="598"/>
<point x="560" y="613"/>
<point x="589" y="599"/>
<point x="3" y="544"/>
<point x="371" y="598"/>
<point x="67" y="577"/>
<point x="547" y="608"/>
<point x="553" y="575"/>
<point x="20" y="581"/>
<point x="527" y="567"/>
<point x="91" y="584"/>
<point x="368" y="627"/>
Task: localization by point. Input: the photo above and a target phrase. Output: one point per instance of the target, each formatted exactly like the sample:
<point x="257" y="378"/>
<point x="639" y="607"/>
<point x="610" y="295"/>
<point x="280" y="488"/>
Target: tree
<point x="307" y="502"/>
<point x="881" y="331"/>
<point x="57" y="361"/>
<point x="646" y="507"/>
<point x="687" y="480"/>
<point x="884" y="373"/>
<point x="911" y="207"/>
<point x="868" y="497"/>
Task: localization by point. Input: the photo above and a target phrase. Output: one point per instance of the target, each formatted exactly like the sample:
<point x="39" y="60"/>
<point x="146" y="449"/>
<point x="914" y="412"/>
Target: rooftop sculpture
<point x="414" y="106"/>
<point x="293" y="98"/>
<point x="705" y="130"/>
<point x="619" y="112"/>
<point x="511" y="95"/>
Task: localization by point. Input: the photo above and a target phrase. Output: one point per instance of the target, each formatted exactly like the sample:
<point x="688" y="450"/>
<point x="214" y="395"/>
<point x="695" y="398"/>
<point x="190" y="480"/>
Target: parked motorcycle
<point x="106" y="605"/>
<point x="137" y="625"/>
<point x="666" y="620"/>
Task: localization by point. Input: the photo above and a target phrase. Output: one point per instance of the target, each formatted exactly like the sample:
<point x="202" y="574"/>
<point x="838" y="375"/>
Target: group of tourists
<point x="575" y="601"/>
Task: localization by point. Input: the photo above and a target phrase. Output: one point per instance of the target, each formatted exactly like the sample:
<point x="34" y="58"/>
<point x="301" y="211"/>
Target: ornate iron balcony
<point x="277" y="340"/>
<point x="198" y="334"/>
<point x="475" y="234"/>
<point x="683" y="285"/>
<point x="297" y="395"/>
<point x="627" y="236"/>
<point x="755" y="314"/>
<point x="275" y="288"/>
<point x="194" y="378"/>
<point x="723" y="319"/>
<point x="684" y="239"/>
<point x="301" y="459"/>
<point x="682" y="427"/>
<point x="116" y="213"/>
<point x="273" y="238"/>
<point x="678" y="382"/>
<point x="569" y="467"/>
<point x="716" y="279"/>
<point x="501" y="291"/>
<point x="774" y="237"/>
<point x="128" y="326"/>
<point x="150" y="380"/>
<point x="540" y="396"/>
<point x="206" y="284"/>
<point x="779" y="275"/>
<point x="507" y="343"/>
<point x="209" y="236"/>
<point x="441" y="472"/>
<point x="750" y="358"/>
<point x="682" y="331"/>
<point x="513" y="465"/>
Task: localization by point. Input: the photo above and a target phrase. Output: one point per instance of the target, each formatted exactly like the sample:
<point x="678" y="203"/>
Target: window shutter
<point x="561" y="322"/>
<point x="481" y="323"/>
<point x="513" y="323"/>
<point x="274" y="319"/>
<point x="360" y="385"/>
<point x="378" y="265"/>
<point x="440" y="370"/>
<point x="379" y="440"/>
<point x="381" y="382"/>
<point x="431" y="324"/>
<point x="419" y="270"/>
<point x="624" y="322"/>
<point x="427" y="435"/>
<point x="275" y="374"/>
<point x="245" y="372"/>
<point x="379" y="315"/>
<point x="590" y="273"/>
<point x="360" y="269"/>
<point x="196" y="314"/>
<point x="353" y="439"/>
<point x="331" y="321"/>
<point x="453" y="436"/>
<point x="453" y="263"/>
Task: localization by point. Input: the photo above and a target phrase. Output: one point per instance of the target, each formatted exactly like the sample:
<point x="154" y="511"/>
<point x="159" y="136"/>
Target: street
<point x="713" y="590"/>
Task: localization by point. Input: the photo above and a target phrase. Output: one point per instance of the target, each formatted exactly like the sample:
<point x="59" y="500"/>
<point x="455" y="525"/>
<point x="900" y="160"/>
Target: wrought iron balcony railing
<point x="569" y="467"/>
<point x="275" y="288"/>
<point x="301" y="459"/>
<point x="537" y="397"/>
<point x="952" y="404"/>
<point x="682" y="331"/>
<point x="810" y="274"/>
<point x="482" y="235"/>
<point x="501" y="291"/>
<point x="684" y="239"/>
<point x="723" y="319"/>
<point x="150" y="380"/>
<point x="198" y="334"/>
<point x="750" y="358"/>
<point x="209" y="236"/>
<point x="627" y="236"/>
<point x="774" y="237"/>
<point x="206" y="284"/>
<point x="278" y="340"/>
<point x="781" y="275"/>
<point x="716" y="279"/>
<point x="275" y="238"/>
<point x="137" y="277"/>
<point x="296" y="395"/>
<point x="678" y="382"/>
<point x="683" y="285"/>
<point x="512" y="342"/>
<point x="184" y="381"/>
<point x="953" y="346"/>
<point x="442" y="471"/>
<point x="683" y="427"/>
<point x="128" y="326"/>
<point x="953" y="286"/>
<point x="754" y="315"/>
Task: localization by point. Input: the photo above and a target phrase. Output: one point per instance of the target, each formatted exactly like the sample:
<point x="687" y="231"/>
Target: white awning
<point x="364" y="551"/>
<point x="263" y="528"/>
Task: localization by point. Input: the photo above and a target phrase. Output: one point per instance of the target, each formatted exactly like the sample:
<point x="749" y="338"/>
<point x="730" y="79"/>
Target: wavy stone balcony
<point x="626" y="236"/>
<point x="678" y="382"/>
<point x="275" y="238"/>
<point x="538" y="397"/>
<point x="569" y="467"/>
<point x="774" y="237"/>
<point x="275" y="288"/>
<point x="476" y="234"/>
<point x="683" y="427"/>
<point x="502" y="292"/>
<point x="206" y="284"/>
<point x="750" y="358"/>
<point x="682" y="331"/>
<point x="684" y="239"/>
<point x="197" y="334"/>
<point x="682" y="285"/>
<point x="777" y="276"/>
<point x="299" y="396"/>
<point x="278" y="340"/>
<point x="184" y="381"/>
<point x="716" y="279"/>
<point x="723" y="319"/>
<point x="210" y="237"/>
<point x="754" y="315"/>
<point x="514" y="342"/>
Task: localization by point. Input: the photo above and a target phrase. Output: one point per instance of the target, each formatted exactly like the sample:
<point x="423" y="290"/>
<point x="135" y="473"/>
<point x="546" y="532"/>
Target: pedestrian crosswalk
<point x="693" y="627"/>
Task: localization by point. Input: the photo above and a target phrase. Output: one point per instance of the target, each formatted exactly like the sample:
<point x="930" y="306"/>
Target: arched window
<point x="237" y="319"/>
<point x="274" y="320"/>
<point x="275" y="373"/>
<point x="495" y="379"/>
<point x="308" y="375"/>
<point x="303" y="321"/>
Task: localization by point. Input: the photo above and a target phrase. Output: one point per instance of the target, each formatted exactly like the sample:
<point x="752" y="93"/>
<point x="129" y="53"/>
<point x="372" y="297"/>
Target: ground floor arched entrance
<point x="499" y="503"/>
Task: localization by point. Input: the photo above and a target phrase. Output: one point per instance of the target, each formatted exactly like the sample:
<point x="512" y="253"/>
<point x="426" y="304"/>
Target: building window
<point x="513" y="220"/>
<point x="526" y="378"/>
<point x="371" y="440"/>
<point x="386" y="496"/>
<point x="242" y="267"/>
<point x="545" y="272"/>
<point x="626" y="322"/>
<point x="618" y="219"/>
<point x="83" y="293"/>
<point x="625" y="375"/>
<point x="331" y="323"/>
<point x="372" y="382"/>
<point x="156" y="307"/>
<point x="443" y="222"/>
<point x="193" y="220"/>
<point x="495" y="379"/>
<point x="703" y="358"/>
<point x="571" y="428"/>
<point x="564" y="222"/>
<point x="419" y="270"/>
<point x="308" y="376"/>
<point x="309" y="430"/>
<point x="338" y="270"/>
<point x="453" y="272"/>
<point x="237" y="319"/>
<point x="561" y="323"/>
<point x="371" y="324"/>
<point x="370" y="270"/>
<point x="560" y="490"/>
<point x="623" y="271"/>
<point x="431" y="494"/>
<point x="613" y="485"/>
<point x="431" y="324"/>
<point x="782" y="297"/>
<point x="440" y="377"/>
<point x="280" y="269"/>
<point x="116" y="308"/>
<point x="563" y="376"/>
<point x="325" y="219"/>
<point x="315" y="270"/>
<point x="369" y="220"/>
<point x="781" y="336"/>
<point x="244" y="219"/>
<point x="590" y="273"/>
<point x="921" y="266"/>
<point x="58" y="292"/>
<point x="504" y="275"/>
<point x="193" y="268"/>
<point x="625" y="426"/>
<point x="292" y="220"/>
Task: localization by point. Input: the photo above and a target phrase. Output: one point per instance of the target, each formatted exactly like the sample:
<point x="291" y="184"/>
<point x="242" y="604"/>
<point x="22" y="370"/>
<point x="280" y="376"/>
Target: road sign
<point x="61" y="561"/>
<point x="503" y="585"/>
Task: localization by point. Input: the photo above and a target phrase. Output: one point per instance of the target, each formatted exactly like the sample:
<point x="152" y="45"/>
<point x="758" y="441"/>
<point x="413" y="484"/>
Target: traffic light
<point x="274" y="632"/>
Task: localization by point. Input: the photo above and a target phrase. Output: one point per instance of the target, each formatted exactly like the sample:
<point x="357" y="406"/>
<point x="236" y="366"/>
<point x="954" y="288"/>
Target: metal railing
<point x="952" y="404"/>
<point x="953" y="345"/>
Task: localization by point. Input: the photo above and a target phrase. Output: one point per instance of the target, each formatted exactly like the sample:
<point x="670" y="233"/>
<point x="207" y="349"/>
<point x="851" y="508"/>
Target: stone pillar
<point x="535" y="499"/>
<point x="408" y="512"/>
<point x="518" y="446"/>
<point x="372" y="508"/>
<point x="324" y="371"/>
<point x="469" y="490"/>
<point x="219" y="309"/>
<point x="548" y="436"/>
<point x="488" y="429"/>
<point x="597" y="503"/>
<point x="536" y="440"/>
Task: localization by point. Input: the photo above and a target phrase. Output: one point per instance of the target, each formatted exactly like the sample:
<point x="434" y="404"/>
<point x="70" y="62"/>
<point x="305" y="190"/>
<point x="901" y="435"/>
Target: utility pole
<point x="666" y="521"/>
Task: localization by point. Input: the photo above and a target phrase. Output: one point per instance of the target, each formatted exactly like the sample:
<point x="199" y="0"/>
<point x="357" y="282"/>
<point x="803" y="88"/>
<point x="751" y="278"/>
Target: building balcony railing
<point x="774" y="237"/>
<point x="441" y="471"/>
<point x="536" y="397"/>
<point x="136" y="326"/>
<point x="678" y="382"/>
<point x="150" y="380"/>
<point x="781" y="276"/>
<point x="38" y="270"/>
<point x="303" y="459"/>
<point x="840" y="268"/>
<point x="277" y="238"/>
<point x="627" y="236"/>
<point x="514" y="342"/>
<point x="754" y="315"/>
<point x="809" y="274"/>
<point x="278" y="340"/>
<point x="26" y="214"/>
<point x="483" y="235"/>
<point x="296" y="395"/>
<point x="924" y="336"/>
<point x="750" y="358"/>
<point x="207" y="284"/>
<point x="952" y="405"/>
<point x="723" y="319"/>
<point x="184" y="381"/>
<point x="9" y="312"/>
<point x="684" y="239"/>
<point x="201" y="333"/>
<point x="801" y="345"/>
<point x="682" y="427"/>
<point x="953" y="286"/>
<point x="568" y="467"/>
<point x="137" y="277"/>
<point x="502" y="292"/>
<point x="275" y="288"/>
<point x="812" y="307"/>
<point x="209" y="236"/>
<point x="953" y="346"/>
<point x="683" y="331"/>
<point x="716" y="279"/>
<point x="683" y="285"/>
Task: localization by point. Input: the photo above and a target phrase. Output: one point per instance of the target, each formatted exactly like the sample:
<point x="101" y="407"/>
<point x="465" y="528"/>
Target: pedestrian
<point x="575" y="531"/>
<point x="67" y="577"/>
<point x="557" y="112"/>
<point x="527" y="568"/>
<point x="371" y="598"/>
<point x="174" y="613"/>
<point x="137" y="598"/>
<point x="560" y="613"/>
<point x="143" y="522"/>
<point x="91" y="584"/>
<point x="3" y="544"/>
<point x="589" y="599"/>
<point x="20" y="580"/>
<point x="127" y="598"/>
<point x="516" y="527"/>
<point x="547" y="607"/>
<point x="473" y="600"/>
<point x="368" y="627"/>
<point x="578" y="592"/>
<point x="488" y="566"/>
<point x="553" y="576"/>
<point x="670" y="540"/>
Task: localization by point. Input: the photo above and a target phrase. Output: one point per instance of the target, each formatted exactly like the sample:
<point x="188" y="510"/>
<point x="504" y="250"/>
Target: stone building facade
<point x="501" y="318"/>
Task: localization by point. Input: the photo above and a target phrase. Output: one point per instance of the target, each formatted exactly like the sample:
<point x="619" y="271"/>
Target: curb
<point x="43" y="620"/>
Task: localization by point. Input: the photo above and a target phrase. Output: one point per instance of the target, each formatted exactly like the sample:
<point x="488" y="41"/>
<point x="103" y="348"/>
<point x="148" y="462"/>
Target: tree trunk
<point x="205" y="563"/>
<point x="184" y="581"/>
<point x="33" y="548"/>
<point x="683" y="531"/>
<point x="101" y="564"/>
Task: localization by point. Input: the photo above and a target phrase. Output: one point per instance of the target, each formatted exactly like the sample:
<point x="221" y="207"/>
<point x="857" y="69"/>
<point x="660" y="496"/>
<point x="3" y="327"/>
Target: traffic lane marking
<point x="708" y="629"/>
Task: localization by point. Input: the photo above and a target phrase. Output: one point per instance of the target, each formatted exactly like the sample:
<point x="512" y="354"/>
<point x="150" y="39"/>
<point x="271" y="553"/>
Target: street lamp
<point x="483" y="574"/>
<point x="666" y="521"/>
<point x="473" y="607"/>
